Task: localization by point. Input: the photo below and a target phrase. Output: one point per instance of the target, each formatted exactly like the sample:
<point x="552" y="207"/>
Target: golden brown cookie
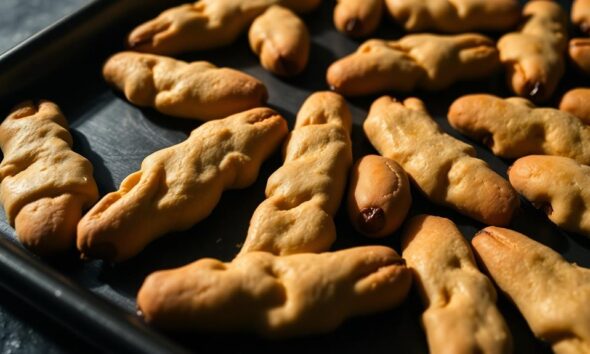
<point x="204" y="24"/>
<point x="420" y="61"/>
<point x="379" y="196"/>
<point x="281" y="40"/>
<point x="358" y="18"/>
<point x="275" y="296"/>
<point x="579" y="53"/>
<point x="577" y="102"/>
<point x="534" y="56"/>
<point x="551" y="293"/>
<point x="44" y="185"/>
<point x="197" y="90"/>
<point x="304" y="194"/>
<point x="461" y="314"/>
<point x="454" y="16"/>
<point x="559" y="186"/>
<point x="180" y="185"/>
<point x="441" y="167"/>
<point x="514" y="127"/>
<point x="581" y="15"/>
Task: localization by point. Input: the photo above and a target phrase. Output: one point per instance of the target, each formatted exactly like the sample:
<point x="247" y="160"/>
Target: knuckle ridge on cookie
<point x="461" y="314"/>
<point x="44" y="184"/>
<point x="180" y="185"/>
<point x="197" y="90"/>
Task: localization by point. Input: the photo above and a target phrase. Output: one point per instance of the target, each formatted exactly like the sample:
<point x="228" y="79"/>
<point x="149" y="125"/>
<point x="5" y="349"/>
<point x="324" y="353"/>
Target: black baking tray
<point x="96" y="300"/>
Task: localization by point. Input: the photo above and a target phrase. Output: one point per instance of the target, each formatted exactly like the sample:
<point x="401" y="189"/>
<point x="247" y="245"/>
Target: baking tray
<point x="96" y="300"/>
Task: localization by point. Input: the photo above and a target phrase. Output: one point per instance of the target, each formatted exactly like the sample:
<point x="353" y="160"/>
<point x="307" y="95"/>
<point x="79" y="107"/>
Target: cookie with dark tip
<point x="559" y="186"/>
<point x="581" y="15"/>
<point x="358" y="18"/>
<point x="379" y="196"/>
<point x="579" y="53"/>
<point x="534" y="56"/>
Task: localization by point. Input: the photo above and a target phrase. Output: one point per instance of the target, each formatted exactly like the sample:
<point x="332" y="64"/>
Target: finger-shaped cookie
<point x="202" y="25"/>
<point x="581" y="15"/>
<point x="442" y="167"/>
<point x="180" y="185"/>
<point x="559" y="186"/>
<point x="197" y="90"/>
<point x="421" y="61"/>
<point x="275" y="296"/>
<point x="534" y="56"/>
<point x="304" y="194"/>
<point x="358" y="18"/>
<point x="379" y="196"/>
<point x="514" y="127"/>
<point x="577" y="102"/>
<point x="281" y="40"/>
<point x="44" y="185"/>
<point x="454" y="16"/>
<point x="461" y="314"/>
<point x="551" y="293"/>
<point x="579" y="53"/>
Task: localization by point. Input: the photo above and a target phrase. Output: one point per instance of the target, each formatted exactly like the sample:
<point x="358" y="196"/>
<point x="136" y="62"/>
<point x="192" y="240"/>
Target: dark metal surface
<point x="116" y="136"/>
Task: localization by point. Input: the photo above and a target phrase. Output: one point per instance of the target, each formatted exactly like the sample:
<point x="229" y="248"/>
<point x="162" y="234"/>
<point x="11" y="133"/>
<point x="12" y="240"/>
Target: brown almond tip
<point x="352" y="26"/>
<point x="371" y="220"/>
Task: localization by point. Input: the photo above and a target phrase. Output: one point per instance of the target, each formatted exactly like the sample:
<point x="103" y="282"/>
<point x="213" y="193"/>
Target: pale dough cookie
<point x="442" y="167"/>
<point x="534" y="56"/>
<point x="551" y="293"/>
<point x="304" y="194"/>
<point x="461" y="316"/>
<point x="281" y="40"/>
<point x="579" y="53"/>
<point x="514" y="127"/>
<point x="204" y="24"/>
<point x="559" y="186"/>
<point x="44" y="184"/>
<point x="420" y="61"/>
<point x="358" y="18"/>
<point x="197" y="90"/>
<point x="379" y="196"/>
<point x="180" y="185"/>
<point x="577" y="102"/>
<point x="581" y="15"/>
<point x="455" y="16"/>
<point x="275" y="296"/>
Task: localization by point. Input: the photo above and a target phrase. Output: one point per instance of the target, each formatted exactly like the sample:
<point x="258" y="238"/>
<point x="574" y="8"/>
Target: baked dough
<point x="577" y="103"/>
<point x="559" y="186"/>
<point x="420" y="61"/>
<point x="44" y="184"/>
<point x="461" y="314"/>
<point x="534" y="56"/>
<point x="455" y="16"/>
<point x="304" y="194"/>
<point x="581" y="15"/>
<point x="379" y="196"/>
<point x="281" y="40"/>
<point x="551" y="293"/>
<point x="358" y="18"/>
<point x="203" y="25"/>
<point x="579" y="53"/>
<point x="514" y="127"/>
<point x="180" y="185"/>
<point x="197" y="90"/>
<point x="275" y="296"/>
<point x="441" y="167"/>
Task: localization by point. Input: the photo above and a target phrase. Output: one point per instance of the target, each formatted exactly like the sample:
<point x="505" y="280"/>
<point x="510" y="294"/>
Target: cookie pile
<point x="286" y="281"/>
